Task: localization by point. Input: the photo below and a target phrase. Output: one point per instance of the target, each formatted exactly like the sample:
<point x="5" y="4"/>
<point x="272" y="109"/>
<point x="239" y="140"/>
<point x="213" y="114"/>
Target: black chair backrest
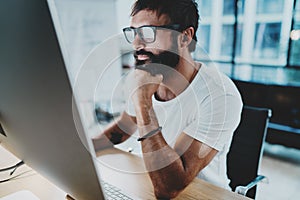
<point x="246" y="149"/>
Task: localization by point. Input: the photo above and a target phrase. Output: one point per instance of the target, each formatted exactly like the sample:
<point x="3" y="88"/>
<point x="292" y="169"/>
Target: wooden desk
<point x="30" y="180"/>
<point x="127" y="172"/>
<point x="120" y="168"/>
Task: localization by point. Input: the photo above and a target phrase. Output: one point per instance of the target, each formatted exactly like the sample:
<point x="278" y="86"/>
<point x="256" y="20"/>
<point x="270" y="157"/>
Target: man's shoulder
<point x="211" y="83"/>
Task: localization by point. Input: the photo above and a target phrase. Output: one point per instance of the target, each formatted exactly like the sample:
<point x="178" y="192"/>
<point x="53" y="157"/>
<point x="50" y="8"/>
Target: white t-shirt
<point x="208" y="110"/>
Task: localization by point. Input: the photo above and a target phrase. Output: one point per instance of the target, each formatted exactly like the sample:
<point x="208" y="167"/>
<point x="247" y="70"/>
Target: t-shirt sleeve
<point x="218" y="117"/>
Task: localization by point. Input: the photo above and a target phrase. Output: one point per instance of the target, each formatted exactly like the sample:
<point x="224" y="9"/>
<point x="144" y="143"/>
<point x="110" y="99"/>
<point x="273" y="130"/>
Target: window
<point x="205" y="8"/>
<point x="227" y="40"/>
<point x="262" y="31"/>
<point x="205" y="37"/>
<point x="295" y="38"/>
<point x="267" y="38"/>
<point x="228" y="7"/>
<point x="270" y="6"/>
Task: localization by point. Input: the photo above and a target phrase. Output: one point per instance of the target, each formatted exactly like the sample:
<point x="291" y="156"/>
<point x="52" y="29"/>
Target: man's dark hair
<point x="182" y="12"/>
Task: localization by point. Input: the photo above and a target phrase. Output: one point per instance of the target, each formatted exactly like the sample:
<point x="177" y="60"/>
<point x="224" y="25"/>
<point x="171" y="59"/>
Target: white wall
<point x="87" y="24"/>
<point x="123" y="12"/>
<point x="123" y="8"/>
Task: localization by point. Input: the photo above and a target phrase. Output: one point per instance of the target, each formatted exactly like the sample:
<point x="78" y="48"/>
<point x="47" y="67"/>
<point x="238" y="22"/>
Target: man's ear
<point x="187" y="37"/>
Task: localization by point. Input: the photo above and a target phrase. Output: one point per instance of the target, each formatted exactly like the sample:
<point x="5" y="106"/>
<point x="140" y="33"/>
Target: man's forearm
<point x="117" y="132"/>
<point x="111" y="136"/>
<point x="146" y="118"/>
<point x="165" y="167"/>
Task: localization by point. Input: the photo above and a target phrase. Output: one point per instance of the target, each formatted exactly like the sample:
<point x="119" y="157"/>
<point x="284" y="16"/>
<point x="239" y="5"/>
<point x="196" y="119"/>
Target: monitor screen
<point x="37" y="108"/>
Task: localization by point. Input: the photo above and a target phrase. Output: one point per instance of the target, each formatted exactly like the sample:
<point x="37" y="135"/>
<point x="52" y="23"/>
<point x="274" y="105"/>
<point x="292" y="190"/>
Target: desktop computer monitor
<point x="37" y="110"/>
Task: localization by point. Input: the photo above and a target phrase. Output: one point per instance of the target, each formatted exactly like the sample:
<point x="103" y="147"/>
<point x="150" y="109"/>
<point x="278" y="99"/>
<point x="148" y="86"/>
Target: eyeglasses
<point x="146" y="33"/>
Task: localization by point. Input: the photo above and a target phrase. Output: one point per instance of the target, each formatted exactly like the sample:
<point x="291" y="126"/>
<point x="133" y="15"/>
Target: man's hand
<point x="143" y="85"/>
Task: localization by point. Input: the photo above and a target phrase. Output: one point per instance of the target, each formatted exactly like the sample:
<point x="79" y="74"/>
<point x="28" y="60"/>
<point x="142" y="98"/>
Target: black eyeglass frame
<point x="154" y="28"/>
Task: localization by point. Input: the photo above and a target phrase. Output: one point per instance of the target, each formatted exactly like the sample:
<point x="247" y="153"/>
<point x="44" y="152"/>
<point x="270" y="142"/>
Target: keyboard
<point x="111" y="192"/>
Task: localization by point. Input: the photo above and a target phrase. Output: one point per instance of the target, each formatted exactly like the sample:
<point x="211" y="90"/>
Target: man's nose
<point x="138" y="43"/>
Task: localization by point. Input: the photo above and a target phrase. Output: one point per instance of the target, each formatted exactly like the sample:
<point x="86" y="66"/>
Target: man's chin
<point x="155" y="68"/>
<point x="142" y="62"/>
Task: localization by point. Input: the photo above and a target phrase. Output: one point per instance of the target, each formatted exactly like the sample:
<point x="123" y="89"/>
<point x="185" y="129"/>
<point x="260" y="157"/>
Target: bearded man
<point x="185" y="112"/>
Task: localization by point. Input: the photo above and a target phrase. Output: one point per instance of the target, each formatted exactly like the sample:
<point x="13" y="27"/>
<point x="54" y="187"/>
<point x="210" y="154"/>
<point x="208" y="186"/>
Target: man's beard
<point x="157" y="64"/>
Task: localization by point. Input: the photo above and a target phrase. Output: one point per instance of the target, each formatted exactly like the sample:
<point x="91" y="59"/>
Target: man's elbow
<point x="168" y="192"/>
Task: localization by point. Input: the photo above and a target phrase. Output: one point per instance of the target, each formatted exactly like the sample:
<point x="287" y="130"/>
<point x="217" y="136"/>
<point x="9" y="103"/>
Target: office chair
<point x="244" y="156"/>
